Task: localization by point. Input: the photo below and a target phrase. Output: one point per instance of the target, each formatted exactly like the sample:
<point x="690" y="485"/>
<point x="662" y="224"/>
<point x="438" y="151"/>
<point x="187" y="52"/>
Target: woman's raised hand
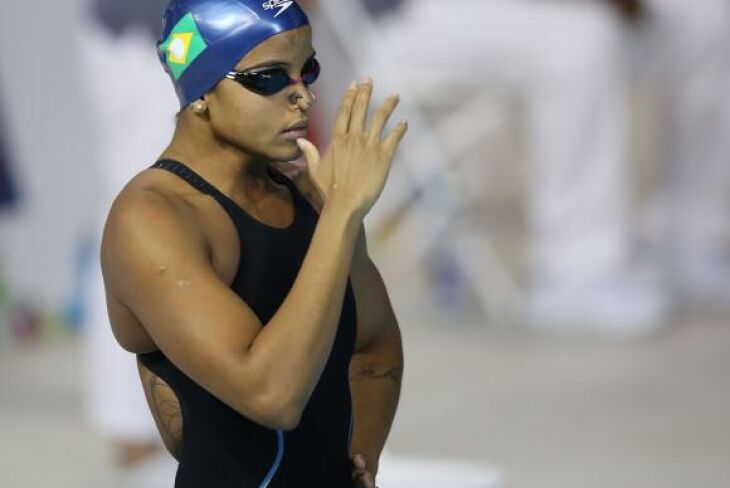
<point x="352" y="173"/>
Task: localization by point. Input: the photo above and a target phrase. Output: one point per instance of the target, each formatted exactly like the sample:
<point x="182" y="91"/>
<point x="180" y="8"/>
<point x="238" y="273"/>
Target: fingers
<point x="311" y="154"/>
<point x="342" y="121"/>
<point x="358" y="460"/>
<point x="395" y="137"/>
<point x="363" y="478"/>
<point x="361" y="105"/>
<point x="359" y="473"/>
<point x="365" y="481"/>
<point x="353" y="111"/>
<point x="381" y="117"/>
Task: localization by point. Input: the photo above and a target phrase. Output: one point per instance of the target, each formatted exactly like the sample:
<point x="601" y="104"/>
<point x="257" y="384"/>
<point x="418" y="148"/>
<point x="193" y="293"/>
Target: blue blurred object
<point x="8" y="194"/>
<point x="74" y="313"/>
<point x="118" y="17"/>
<point x="448" y="281"/>
<point x="202" y="40"/>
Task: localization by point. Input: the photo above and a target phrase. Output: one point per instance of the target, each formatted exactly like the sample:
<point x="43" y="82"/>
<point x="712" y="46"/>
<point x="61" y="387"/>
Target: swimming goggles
<point x="269" y="81"/>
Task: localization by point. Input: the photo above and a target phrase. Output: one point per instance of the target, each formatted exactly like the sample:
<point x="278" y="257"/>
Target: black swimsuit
<point x="220" y="447"/>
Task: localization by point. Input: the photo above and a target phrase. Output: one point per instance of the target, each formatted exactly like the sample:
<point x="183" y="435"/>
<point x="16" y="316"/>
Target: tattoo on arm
<point x="166" y="411"/>
<point x="374" y="372"/>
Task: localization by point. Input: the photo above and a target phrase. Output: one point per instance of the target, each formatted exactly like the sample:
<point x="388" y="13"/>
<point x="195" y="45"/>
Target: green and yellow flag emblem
<point x="183" y="45"/>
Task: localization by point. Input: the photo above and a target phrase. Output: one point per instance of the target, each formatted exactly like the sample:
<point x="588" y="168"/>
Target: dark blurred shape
<point x="8" y="194"/>
<point x="379" y="7"/>
<point x="118" y="16"/>
<point x="631" y="9"/>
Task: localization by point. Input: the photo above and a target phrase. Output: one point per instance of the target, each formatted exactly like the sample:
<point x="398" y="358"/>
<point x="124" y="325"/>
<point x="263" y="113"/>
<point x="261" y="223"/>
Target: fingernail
<point x="367" y="80"/>
<point x="353" y="85"/>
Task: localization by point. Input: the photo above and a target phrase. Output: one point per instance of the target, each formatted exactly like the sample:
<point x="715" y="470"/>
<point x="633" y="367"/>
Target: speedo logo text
<point x="282" y="5"/>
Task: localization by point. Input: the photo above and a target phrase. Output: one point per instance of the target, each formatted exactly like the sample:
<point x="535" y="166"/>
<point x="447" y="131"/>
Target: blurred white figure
<point x="126" y="85"/>
<point x="690" y="42"/>
<point x="407" y="472"/>
<point x="567" y="61"/>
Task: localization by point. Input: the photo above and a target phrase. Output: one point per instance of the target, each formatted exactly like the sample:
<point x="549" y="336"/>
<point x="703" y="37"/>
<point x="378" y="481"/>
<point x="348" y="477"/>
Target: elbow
<point x="288" y="419"/>
<point x="277" y="412"/>
<point x="288" y="409"/>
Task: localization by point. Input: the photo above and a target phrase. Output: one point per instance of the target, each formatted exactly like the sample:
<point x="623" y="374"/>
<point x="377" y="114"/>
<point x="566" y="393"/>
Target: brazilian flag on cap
<point x="202" y="40"/>
<point x="183" y="46"/>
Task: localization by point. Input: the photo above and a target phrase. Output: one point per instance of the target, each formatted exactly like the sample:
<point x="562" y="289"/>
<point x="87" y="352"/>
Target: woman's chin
<point x="290" y="154"/>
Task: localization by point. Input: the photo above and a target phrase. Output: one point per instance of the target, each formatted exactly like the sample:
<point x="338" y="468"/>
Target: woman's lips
<point x="294" y="134"/>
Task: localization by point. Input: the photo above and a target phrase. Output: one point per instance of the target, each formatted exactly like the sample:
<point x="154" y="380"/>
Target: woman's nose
<point x="302" y="97"/>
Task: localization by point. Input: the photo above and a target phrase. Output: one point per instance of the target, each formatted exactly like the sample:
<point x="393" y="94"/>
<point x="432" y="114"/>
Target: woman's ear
<point x="200" y="106"/>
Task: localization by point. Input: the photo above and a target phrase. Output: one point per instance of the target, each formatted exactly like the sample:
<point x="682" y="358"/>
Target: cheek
<point x="253" y="123"/>
<point x="243" y="124"/>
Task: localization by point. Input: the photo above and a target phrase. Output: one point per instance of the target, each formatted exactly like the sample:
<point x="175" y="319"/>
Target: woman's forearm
<point x="375" y="382"/>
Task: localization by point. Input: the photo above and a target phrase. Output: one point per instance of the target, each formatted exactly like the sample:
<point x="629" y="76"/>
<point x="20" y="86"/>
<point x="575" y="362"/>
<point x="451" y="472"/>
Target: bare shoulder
<point x="148" y="208"/>
<point x="147" y="221"/>
<point x="153" y="191"/>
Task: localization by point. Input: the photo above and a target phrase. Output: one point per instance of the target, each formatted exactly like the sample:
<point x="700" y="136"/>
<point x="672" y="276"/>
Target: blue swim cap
<point x="202" y="40"/>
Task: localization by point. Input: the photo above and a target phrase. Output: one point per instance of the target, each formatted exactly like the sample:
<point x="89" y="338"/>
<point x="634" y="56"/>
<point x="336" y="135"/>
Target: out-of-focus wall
<point x="53" y="147"/>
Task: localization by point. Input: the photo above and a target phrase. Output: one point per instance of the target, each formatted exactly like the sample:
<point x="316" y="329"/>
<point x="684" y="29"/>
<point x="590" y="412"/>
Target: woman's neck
<point x="226" y="167"/>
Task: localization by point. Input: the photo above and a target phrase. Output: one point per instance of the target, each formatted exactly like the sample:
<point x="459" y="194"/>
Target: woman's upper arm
<point x="158" y="266"/>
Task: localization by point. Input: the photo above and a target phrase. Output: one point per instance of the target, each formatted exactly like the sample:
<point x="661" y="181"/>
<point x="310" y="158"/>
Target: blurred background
<point x="554" y="236"/>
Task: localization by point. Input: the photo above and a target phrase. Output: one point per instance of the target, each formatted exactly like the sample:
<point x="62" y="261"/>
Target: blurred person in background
<point x="125" y="86"/>
<point x="7" y="199"/>
<point x="571" y="63"/>
<point x="566" y="60"/>
<point x="687" y="56"/>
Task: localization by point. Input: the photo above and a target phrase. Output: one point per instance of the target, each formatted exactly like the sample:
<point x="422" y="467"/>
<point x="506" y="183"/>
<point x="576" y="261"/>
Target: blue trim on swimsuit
<point x="277" y="461"/>
<point x="349" y="436"/>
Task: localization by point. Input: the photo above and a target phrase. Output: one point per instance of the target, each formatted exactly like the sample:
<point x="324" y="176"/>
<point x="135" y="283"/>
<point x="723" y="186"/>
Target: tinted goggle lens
<point x="270" y="81"/>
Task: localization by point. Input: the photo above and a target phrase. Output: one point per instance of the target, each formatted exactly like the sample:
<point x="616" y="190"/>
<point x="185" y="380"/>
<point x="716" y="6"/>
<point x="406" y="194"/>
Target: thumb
<point x="311" y="154"/>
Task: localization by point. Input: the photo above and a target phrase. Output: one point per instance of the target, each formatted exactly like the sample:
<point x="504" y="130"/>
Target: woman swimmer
<point x="235" y="285"/>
